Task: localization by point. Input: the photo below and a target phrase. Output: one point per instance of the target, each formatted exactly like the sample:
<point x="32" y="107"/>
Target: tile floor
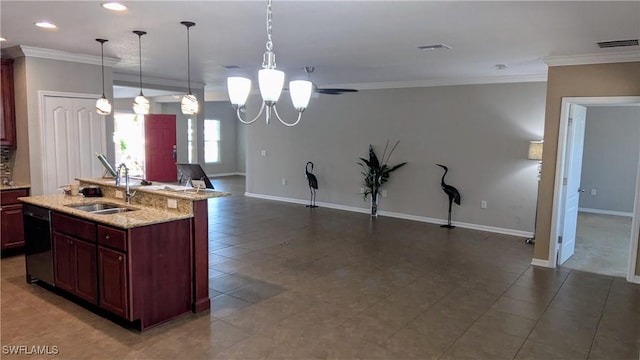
<point x="288" y="282"/>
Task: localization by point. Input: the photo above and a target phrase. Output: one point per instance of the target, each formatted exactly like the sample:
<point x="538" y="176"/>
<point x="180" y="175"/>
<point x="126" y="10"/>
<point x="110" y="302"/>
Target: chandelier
<point x="270" y="82"/>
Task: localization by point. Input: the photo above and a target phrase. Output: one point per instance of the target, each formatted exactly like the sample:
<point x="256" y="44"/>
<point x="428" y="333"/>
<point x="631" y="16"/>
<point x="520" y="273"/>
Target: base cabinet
<point x="11" y="222"/>
<point x="75" y="266"/>
<point x="112" y="270"/>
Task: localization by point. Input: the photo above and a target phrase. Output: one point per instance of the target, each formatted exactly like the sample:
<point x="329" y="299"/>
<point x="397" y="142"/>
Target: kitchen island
<point x="146" y="263"/>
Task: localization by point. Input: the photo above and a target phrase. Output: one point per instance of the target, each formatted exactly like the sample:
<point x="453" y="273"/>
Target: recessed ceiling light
<point x="46" y="25"/>
<point x="115" y="6"/>
<point x="501" y="67"/>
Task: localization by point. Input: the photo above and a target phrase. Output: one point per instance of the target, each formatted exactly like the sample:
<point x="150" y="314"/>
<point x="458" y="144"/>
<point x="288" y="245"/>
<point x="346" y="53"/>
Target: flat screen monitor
<point x="107" y="167"/>
<point x="194" y="172"/>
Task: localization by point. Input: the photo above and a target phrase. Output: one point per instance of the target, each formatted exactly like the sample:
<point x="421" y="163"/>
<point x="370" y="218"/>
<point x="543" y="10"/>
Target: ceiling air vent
<point x="434" y="47"/>
<point x="617" y="43"/>
<point x="231" y="66"/>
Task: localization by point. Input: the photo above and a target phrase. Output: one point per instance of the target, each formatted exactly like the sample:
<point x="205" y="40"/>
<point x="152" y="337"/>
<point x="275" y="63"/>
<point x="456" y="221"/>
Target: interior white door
<point x="72" y="134"/>
<point x="571" y="182"/>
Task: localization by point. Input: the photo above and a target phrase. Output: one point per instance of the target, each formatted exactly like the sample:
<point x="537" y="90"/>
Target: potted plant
<point x="377" y="173"/>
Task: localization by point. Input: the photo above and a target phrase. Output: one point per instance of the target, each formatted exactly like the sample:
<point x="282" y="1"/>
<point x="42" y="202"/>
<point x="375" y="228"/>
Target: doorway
<point x="565" y="219"/>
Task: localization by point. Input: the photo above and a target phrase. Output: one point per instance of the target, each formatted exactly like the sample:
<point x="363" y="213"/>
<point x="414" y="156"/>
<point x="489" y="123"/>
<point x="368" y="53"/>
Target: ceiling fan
<point x="327" y="91"/>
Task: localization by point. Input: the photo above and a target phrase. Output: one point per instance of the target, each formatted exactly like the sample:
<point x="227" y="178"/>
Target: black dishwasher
<point x="37" y="244"/>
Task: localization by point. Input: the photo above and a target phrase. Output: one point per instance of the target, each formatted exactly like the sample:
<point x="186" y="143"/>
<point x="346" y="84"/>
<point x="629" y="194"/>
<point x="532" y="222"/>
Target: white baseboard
<point x="606" y="212"/>
<point x="424" y="219"/>
<point x="541" y="262"/>
<point x="635" y="279"/>
<point x="226" y="174"/>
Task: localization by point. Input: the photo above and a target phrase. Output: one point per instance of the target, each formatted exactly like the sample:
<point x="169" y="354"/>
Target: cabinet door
<point x="86" y="271"/>
<point x="64" y="262"/>
<point x="12" y="229"/>
<point x="112" y="269"/>
<point x="7" y="105"/>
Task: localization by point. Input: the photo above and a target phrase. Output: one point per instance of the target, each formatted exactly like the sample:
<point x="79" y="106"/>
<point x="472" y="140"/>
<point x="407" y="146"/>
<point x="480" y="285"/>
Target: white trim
<point x="559" y="174"/>
<point x="132" y="79"/>
<point x="30" y="51"/>
<point x="605" y="212"/>
<point x="634" y="279"/>
<point x="541" y="262"/>
<point x="226" y="174"/>
<point x="491" y="229"/>
<point x="603" y="58"/>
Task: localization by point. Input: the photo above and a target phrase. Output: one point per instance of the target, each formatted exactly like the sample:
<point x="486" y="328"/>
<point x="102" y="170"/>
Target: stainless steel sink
<point x="101" y="208"/>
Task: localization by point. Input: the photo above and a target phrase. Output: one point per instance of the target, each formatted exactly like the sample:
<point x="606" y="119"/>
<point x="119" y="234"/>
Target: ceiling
<point x="351" y="43"/>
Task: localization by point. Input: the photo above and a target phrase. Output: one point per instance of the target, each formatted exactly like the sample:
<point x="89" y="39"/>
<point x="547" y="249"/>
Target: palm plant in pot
<point x="376" y="173"/>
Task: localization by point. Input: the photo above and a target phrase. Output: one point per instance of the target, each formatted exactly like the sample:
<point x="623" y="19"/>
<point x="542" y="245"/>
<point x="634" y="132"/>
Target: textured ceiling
<point x="349" y="42"/>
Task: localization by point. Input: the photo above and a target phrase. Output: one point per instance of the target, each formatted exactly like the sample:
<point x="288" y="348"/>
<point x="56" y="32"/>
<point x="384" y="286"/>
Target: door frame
<point x="559" y="175"/>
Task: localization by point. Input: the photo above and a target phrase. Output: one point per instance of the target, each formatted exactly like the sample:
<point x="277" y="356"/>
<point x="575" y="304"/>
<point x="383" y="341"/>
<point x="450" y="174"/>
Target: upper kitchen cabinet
<point x="7" y="106"/>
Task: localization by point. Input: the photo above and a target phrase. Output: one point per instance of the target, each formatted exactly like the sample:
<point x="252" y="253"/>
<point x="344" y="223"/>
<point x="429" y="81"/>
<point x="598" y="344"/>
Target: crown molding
<point x="30" y="51"/>
<point x="134" y="79"/>
<point x="444" y="82"/>
<point x="585" y="59"/>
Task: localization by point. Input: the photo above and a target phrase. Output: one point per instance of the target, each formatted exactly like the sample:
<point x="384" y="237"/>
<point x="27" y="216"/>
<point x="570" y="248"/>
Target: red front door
<point x="160" y="139"/>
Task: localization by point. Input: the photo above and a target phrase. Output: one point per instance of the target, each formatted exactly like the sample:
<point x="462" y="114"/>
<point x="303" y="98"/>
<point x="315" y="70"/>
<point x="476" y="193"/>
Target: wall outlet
<point x="284" y="181"/>
<point x="119" y="194"/>
<point x="483" y="204"/>
<point x="172" y="203"/>
<point x="263" y="153"/>
<point x="384" y="193"/>
<point x="593" y="192"/>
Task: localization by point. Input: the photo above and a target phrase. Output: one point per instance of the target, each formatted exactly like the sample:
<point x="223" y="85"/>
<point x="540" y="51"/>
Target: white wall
<point x="480" y="131"/>
<point x="610" y="158"/>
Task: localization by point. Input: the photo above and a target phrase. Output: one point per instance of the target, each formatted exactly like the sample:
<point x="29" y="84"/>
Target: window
<point x="211" y="141"/>
<point x="190" y="141"/>
<point x="128" y="138"/>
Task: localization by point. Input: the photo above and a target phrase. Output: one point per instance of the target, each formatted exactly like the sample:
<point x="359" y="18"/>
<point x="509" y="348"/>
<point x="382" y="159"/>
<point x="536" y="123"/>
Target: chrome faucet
<point x="128" y="194"/>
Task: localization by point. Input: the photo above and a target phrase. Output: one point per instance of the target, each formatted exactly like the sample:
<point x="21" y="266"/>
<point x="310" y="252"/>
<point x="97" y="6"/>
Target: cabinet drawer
<point x="8" y="197"/>
<point x="85" y="230"/>
<point x="113" y="238"/>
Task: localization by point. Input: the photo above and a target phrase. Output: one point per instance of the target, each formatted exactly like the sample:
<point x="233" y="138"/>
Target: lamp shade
<point x="270" y="82"/>
<point x="300" y="93"/>
<point x="189" y="104"/>
<point x="141" y="105"/>
<point x="535" y="150"/>
<point x="238" y="88"/>
<point x="103" y="106"/>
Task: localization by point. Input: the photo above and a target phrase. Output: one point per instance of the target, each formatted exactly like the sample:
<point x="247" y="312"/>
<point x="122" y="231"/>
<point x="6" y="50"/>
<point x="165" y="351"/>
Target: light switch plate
<point x="119" y="194"/>
<point x="172" y="203"/>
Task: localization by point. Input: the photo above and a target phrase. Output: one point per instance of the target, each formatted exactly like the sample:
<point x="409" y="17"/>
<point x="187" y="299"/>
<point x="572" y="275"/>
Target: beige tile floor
<point x="288" y="282"/>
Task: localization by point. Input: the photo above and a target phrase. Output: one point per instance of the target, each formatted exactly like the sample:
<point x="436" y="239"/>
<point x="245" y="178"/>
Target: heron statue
<point x="452" y="193"/>
<point x="313" y="184"/>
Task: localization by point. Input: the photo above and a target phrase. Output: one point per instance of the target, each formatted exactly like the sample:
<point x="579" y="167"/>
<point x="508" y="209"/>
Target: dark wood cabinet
<point x="112" y="270"/>
<point x="75" y="266"/>
<point x="7" y="106"/>
<point x="11" y="222"/>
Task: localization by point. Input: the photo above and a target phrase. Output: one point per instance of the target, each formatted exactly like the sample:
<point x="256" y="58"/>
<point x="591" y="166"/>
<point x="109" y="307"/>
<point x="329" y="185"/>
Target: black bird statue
<point x="313" y="184"/>
<point x="452" y="193"/>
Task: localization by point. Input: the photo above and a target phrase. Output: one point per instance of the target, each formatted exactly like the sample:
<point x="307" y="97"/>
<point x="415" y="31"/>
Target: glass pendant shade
<point x="189" y="104"/>
<point x="103" y="106"/>
<point x="300" y="91"/>
<point x="238" y="88"/>
<point x="270" y="82"/>
<point x="141" y="105"/>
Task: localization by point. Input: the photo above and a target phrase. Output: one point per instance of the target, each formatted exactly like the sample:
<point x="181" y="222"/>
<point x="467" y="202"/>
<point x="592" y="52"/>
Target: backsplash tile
<point x="6" y="164"/>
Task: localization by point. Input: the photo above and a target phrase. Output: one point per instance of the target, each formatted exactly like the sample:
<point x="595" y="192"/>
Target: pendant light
<point x="103" y="106"/>
<point x="189" y="102"/>
<point x="140" y="103"/>
<point x="270" y="82"/>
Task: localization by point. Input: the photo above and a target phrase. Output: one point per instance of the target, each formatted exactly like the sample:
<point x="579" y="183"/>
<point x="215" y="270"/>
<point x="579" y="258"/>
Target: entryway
<point x="594" y="239"/>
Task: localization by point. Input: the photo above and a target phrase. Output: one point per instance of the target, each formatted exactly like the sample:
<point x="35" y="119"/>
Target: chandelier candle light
<point x="140" y="103"/>
<point x="189" y="102"/>
<point x="103" y="106"/>
<point x="270" y="82"/>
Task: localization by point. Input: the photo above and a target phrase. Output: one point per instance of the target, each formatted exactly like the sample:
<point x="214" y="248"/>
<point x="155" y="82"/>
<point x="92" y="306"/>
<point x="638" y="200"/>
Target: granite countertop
<point x="15" y="187"/>
<point x="143" y="215"/>
<point x="161" y="189"/>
